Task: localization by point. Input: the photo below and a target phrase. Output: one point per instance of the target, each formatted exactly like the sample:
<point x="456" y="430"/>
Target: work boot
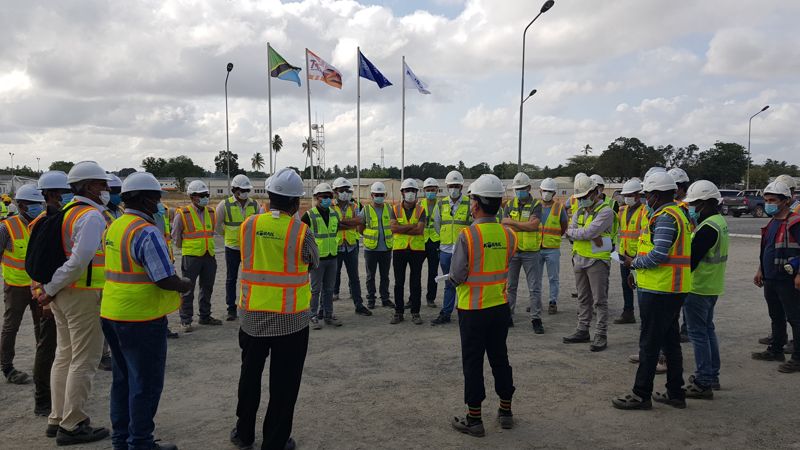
<point x="552" y="308"/>
<point x="397" y="318"/>
<point x="579" y="337"/>
<point x="209" y="321"/>
<point x="467" y="426"/>
<point x="371" y="304"/>
<point x="315" y="323"/>
<point x="631" y="401"/>
<point x="333" y="321"/>
<point x="362" y="311"/>
<point x="105" y="363"/>
<point x="703" y="393"/>
<point x="231" y="317"/>
<point x="237" y="441"/>
<point x="83" y="434"/>
<point x="715" y="385"/>
<point x="679" y="403"/>
<point x="416" y="319"/>
<point x="387" y="303"/>
<point x="625" y="317"/>
<point x="15" y="376"/>
<point x="766" y="340"/>
<point x="790" y="366"/>
<point x="505" y="418"/>
<point x="599" y="344"/>
<point x="536" y="324"/>
<point x="768" y="355"/>
<point x="431" y="304"/>
<point x="440" y="320"/>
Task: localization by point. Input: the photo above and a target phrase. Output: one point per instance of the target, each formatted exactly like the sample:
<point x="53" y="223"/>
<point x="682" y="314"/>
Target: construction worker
<point x="193" y="232"/>
<point x="452" y="216"/>
<point x="573" y="200"/>
<point x="523" y="216"/>
<point x="631" y="216"/>
<point x="430" y="204"/>
<point x="554" y="222"/>
<point x="407" y="222"/>
<point x="780" y="244"/>
<point x="163" y="219"/>
<point x="231" y="212"/>
<point x="323" y="221"/>
<point x="601" y="188"/>
<point x="709" y="259"/>
<point x="74" y="293"/>
<point x="664" y="277"/>
<point x="378" y="239"/>
<point x="141" y="288"/>
<point x="274" y="302"/>
<point x="682" y="181"/>
<point x="7" y="207"/>
<point x="347" y="239"/>
<point x="479" y="270"/>
<point x="591" y="231"/>
<point x="14" y="237"/>
<point x="113" y="209"/>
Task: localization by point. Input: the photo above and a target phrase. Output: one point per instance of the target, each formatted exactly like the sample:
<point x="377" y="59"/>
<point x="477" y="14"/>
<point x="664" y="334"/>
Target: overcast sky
<point x="117" y="81"/>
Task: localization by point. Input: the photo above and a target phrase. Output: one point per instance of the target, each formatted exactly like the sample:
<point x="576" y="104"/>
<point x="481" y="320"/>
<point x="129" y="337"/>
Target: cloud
<point x="757" y="54"/>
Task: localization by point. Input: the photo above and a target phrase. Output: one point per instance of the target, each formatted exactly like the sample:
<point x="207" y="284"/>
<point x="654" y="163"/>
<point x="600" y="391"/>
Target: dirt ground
<point x="371" y="385"/>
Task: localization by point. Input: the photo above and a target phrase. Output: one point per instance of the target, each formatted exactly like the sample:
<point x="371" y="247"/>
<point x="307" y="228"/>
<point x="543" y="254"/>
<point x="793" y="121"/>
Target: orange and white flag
<point x="320" y="70"/>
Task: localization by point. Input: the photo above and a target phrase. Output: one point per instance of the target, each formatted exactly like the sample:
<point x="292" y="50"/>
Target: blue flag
<point x="368" y="70"/>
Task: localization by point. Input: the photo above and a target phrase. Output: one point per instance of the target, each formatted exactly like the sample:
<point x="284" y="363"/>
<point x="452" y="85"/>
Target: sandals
<point x="17" y="377"/>
<point x="632" y="401"/>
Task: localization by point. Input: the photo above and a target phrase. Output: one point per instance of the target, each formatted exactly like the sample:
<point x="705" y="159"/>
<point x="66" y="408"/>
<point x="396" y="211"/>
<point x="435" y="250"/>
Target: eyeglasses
<point x="202" y="195"/>
<point x="328" y="196"/>
<point x="244" y="191"/>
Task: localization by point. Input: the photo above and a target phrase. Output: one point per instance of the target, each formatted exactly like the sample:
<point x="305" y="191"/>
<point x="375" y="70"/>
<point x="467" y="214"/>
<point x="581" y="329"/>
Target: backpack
<point x="45" y="252"/>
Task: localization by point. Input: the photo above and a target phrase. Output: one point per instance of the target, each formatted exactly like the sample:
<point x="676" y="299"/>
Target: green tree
<point x="479" y="169"/>
<point x="580" y="163"/>
<point x="125" y="172"/>
<point x="63" y="166"/>
<point x="774" y="168"/>
<point x="586" y="150"/>
<point x="154" y="165"/>
<point x="723" y="164"/>
<point x="626" y="158"/>
<point x="277" y="145"/>
<point x="257" y="161"/>
<point x="221" y="163"/>
<point x="759" y="176"/>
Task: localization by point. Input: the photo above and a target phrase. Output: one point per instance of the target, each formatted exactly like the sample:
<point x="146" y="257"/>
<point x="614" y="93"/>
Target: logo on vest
<point x="494" y="245"/>
<point x="267" y="235"/>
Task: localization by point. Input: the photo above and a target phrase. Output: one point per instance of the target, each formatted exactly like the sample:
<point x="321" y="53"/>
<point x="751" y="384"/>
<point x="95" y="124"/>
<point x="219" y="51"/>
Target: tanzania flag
<point x="279" y="68"/>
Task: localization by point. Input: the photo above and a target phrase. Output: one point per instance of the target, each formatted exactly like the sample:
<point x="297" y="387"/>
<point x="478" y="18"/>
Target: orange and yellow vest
<point x="630" y="229"/>
<point x="551" y="227"/>
<point x="490" y="247"/>
<point x="98" y="262"/>
<point x="198" y="237"/>
<point x="14" y="273"/>
<point x="674" y="275"/>
<point x="402" y="241"/>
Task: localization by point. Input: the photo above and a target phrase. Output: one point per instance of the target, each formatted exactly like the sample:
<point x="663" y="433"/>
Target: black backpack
<point x="45" y="252"/>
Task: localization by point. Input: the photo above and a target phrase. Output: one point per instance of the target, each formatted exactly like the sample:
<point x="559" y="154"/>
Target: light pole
<point x="227" y="137"/>
<point x="749" y="128"/>
<point x="547" y="5"/>
<point x="12" y="164"/>
<point x="37" y="165"/>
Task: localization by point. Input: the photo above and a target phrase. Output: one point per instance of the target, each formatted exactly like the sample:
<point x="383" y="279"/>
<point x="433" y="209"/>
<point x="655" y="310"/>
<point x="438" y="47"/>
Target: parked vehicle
<point x="726" y="193"/>
<point x="746" y="202"/>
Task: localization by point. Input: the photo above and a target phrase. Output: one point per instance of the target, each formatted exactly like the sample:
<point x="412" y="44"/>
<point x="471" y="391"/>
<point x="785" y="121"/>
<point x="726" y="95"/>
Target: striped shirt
<point x="150" y="250"/>
<point x="664" y="232"/>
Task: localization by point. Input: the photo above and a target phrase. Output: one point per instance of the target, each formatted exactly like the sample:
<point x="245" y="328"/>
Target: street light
<point x="529" y="95"/>
<point x="547" y="5"/>
<point x="749" y="128"/>
<point x="37" y="164"/>
<point x="12" y="163"/>
<point x="227" y="137"/>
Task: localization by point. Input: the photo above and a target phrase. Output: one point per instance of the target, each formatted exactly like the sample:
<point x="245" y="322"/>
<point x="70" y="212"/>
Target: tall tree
<point x="586" y="150"/>
<point x="125" y="172"/>
<point x="154" y="165"/>
<point x="277" y="145"/>
<point x="257" y="161"/>
<point x="63" y="166"/>
<point x="221" y="163"/>
<point x="723" y="164"/>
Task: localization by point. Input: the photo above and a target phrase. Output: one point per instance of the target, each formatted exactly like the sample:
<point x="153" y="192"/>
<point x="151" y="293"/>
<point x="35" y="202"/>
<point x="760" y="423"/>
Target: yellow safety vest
<point x="274" y="276"/>
<point x="451" y="225"/>
<point x="234" y="218"/>
<point x="430" y="227"/>
<point x="198" y="237"/>
<point x="403" y="241"/>
<point x="490" y="247"/>
<point x="129" y="295"/>
<point x="685" y="209"/>
<point x="168" y="233"/>
<point x="326" y="236"/>
<point x="630" y="229"/>
<point x="527" y="241"/>
<point x="99" y="260"/>
<point x="584" y="248"/>
<point x="3" y="210"/>
<point x="349" y="236"/>
<point x="674" y="275"/>
<point x="551" y="228"/>
<point x="708" y="278"/>
<point x="371" y="231"/>
<point x="14" y="273"/>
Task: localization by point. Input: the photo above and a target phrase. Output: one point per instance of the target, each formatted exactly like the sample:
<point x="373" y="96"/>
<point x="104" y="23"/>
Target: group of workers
<point x="668" y="238"/>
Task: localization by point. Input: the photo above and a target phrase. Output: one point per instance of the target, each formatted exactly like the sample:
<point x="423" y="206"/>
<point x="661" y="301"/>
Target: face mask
<point x="66" y="198"/>
<point x="116" y="199"/>
<point x="585" y="203"/>
<point x="693" y="214"/>
<point x="203" y="201"/>
<point x="771" y="209"/>
<point x="325" y="202"/>
<point x="378" y="200"/>
<point x="34" y="210"/>
<point x="105" y="197"/>
<point x="243" y="195"/>
<point x="454" y="192"/>
<point x="430" y="195"/>
<point x="548" y="196"/>
<point x="344" y="196"/>
<point x="410" y="196"/>
<point x="522" y="195"/>
<point x="161" y="209"/>
<point x="630" y="201"/>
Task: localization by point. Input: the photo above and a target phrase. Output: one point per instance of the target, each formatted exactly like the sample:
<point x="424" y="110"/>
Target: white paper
<point x="441" y="278"/>
<point x="606" y="247"/>
<point x="616" y="257"/>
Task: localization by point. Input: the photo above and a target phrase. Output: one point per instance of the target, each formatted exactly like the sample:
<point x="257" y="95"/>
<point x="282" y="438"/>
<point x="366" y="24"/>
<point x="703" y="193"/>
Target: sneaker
<point x="209" y="321"/>
<point x="661" y="367"/>
<point x="551" y="309"/>
<point x="440" y="320"/>
<point x="537" y="326"/>
<point x="506" y="419"/>
<point x="105" y="363"/>
<point x="51" y="431"/>
<point x="237" y="441"/>
<point x="578" y="337"/>
<point x="679" y="403"/>
<point x="715" y="385"/>
<point x="599" y="344"/>
<point x="396" y="318"/>
<point x="187" y="327"/>
<point x="231" y="317"/>
<point x="15" y="376"/>
<point x="790" y="366"/>
<point x="467" y="427"/>
<point x="695" y="391"/>
<point x="625" y="317"/>
<point x="83" y="434"/>
<point x="766" y="340"/>
<point x="631" y="401"/>
<point x="172" y="334"/>
<point x="333" y="321"/>
<point x="416" y="319"/>
<point x="768" y="356"/>
<point x="387" y="303"/>
<point x="315" y="323"/>
<point x="362" y="311"/>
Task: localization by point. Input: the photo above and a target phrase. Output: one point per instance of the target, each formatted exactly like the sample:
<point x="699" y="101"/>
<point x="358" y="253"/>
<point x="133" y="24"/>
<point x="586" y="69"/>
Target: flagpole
<point x="358" y="124"/>
<point x="269" y="102"/>
<point x="403" y="126"/>
<point x="308" y="98"/>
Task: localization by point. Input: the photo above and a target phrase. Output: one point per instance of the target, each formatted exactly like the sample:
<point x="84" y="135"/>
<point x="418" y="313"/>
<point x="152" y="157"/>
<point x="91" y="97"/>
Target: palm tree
<point x="309" y="151"/>
<point x="257" y="162"/>
<point x="586" y="150"/>
<point x="277" y="145"/>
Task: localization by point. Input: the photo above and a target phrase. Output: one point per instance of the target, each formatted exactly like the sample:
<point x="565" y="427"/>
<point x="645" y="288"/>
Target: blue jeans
<point x="551" y="260"/>
<point x="233" y="258"/>
<point x="698" y="310"/>
<point x="449" y="302"/>
<point x="350" y="262"/>
<point x="139" y="357"/>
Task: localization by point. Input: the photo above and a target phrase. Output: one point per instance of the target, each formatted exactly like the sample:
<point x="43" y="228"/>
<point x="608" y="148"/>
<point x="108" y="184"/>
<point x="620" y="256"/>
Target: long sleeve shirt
<point x="177" y="224"/>
<point x="219" y="227"/>
<point x="664" y="232"/>
<point x="459" y="265"/>
<point x="602" y="222"/>
<point x="437" y="220"/>
<point x="150" y="250"/>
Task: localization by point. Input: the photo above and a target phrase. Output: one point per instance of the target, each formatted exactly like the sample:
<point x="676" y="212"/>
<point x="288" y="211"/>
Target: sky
<point x="117" y="81"/>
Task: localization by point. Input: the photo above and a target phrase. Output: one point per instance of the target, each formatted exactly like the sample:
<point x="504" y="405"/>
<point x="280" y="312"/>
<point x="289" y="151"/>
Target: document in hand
<point x="606" y="247"/>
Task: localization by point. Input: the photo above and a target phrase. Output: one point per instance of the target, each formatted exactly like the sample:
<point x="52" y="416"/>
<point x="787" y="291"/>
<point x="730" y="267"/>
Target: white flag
<point x="412" y="82"/>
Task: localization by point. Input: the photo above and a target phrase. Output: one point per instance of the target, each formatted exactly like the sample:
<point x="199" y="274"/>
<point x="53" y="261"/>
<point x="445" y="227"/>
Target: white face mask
<point x="105" y="197"/>
<point x="203" y="201"/>
<point x="454" y="192"/>
<point x="243" y="195"/>
<point x="344" y="196"/>
<point x="410" y="196"/>
<point x="630" y="201"/>
<point x="547" y="195"/>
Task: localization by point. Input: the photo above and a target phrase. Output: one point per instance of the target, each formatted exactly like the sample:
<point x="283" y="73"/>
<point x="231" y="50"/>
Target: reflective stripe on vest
<point x="371" y="232"/>
<point x="14" y="273"/>
<point x="233" y="218"/>
<point x="98" y="261"/>
<point x="630" y="229"/>
<point x="351" y="236"/>
<point x="274" y="276"/>
<point x="451" y="225"/>
<point x="527" y="241"/>
<point x="401" y="241"/>
<point x="489" y="248"/>
<point x="584" y="248"/>
<point x="708" y="278"/>
<point x="551" y="228"/>
<point x="326" y="236"/>
<point x="674" y="275"/>
<point x="198" y="237"/>
<point x="129" y="295"/>
<point x="430" y="225"/>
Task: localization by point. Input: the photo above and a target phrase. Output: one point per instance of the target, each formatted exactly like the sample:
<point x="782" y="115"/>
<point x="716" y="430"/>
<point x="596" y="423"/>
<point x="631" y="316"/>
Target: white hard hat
<point x="659" y="181"/>
<point x="548" y="184"/>
<point x="679" y="175"/>
<point x="286" y="182"/>
<point x="114" y="181"/>
<point x="430" y="182"/>
<point x="321" y="188"/>
<point x="241" y="181"/>
<point x="30" y="193"/>
<point x="86" y="170"/>
<point x="652" y="170"/>
<point x="598" y="180"/>
<point x="787" y="180"/>
<point x="196" y="187"/>
<point x="580" y="174"/>
<point x="778" y="188"/>
<point x="521" y="181"/>
<point x="54" y="179"/>
<point x="632" y="186"/>
<point x="454" y="177"/>
<point x="702" y="190"/>
<point x="487" y="185"/>
<point x="583" y="185"/>
<point x="409" y="183"/>
<point x="141" y="181"/>
<point x="378" y="188"/>
<point x="342" y="182"/>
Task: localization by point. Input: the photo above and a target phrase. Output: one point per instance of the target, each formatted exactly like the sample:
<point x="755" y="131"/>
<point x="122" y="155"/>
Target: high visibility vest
<point x="685" y="208"/>
<point x="527" y="241"/>
<point x="349" y="236"/>
<point x="274" y="276"/>
<point x="198" y="237"/>
<point x="795" y="207"/>
<point x="615" y="227"/>
<point x="490" y="248"/>
<point x="551" y="228"/>
<point x="3" y="210"/>
<point x="129" y="295"/>
<point x="168" y="233"/>
<point x="371" y="231"/>
<point x="675" y="274"/>
<point x="402" y="241"/>
<point x="451" y="225"/>
<point x="430" y="228"/>
<point x="630" y="228"/>
<point x="234" y="218"/>
<point x="786" y="247"/>
<point x="99" y="260"/>
<point x="325" y="235"/>
<point x="573" y="204"/>
<point x="584" y="248"/>
<point x="14" y="273"/>
<point x="708" y="278"/>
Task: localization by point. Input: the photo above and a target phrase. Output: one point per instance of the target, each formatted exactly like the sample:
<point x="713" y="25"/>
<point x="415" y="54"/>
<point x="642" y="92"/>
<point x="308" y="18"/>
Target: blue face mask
<point x="771" y="209"/>
<point x="66" y="198"/>
<point x="116" y="199"/>
<point x="585" y="203"/>
<point x="693" y="214"/>
<point x="522" y="195"/>
<point x="378" y="200"/>
<point x="34" y="210"/>
<point x="430" y="195"/>
<point x="161" y="209"/>
<point x="325" y="202"/>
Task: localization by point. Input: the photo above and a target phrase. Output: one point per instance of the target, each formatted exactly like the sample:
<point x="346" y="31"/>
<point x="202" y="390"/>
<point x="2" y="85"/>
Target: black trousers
<point x="484" y="331"/>
<point x="658" y="314"/>
<point x="285" y="373"/>
<point x="377" y="261"/>
<point x="43" y="361"/>
<point x="783" y="303"/>
<point x="413" y="259"/>
<point x="432" y="255"/>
